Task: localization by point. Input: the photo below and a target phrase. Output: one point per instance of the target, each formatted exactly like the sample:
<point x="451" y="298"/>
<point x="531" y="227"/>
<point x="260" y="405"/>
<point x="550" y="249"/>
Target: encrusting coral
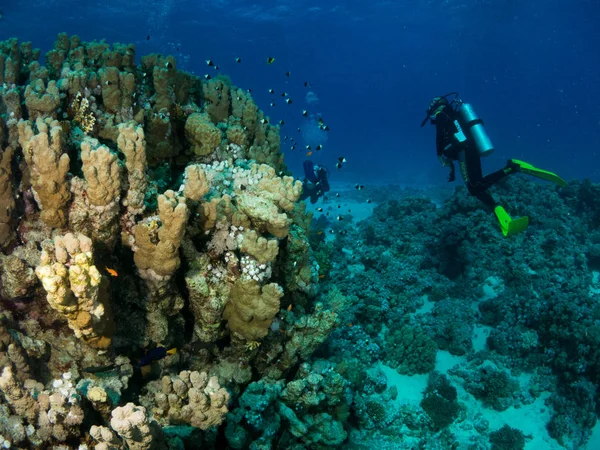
<point x="75" y="289"/>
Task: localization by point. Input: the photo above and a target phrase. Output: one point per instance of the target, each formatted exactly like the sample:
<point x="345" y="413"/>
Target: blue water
<point x="428" y="268"/>
<point x="531" y="70"/>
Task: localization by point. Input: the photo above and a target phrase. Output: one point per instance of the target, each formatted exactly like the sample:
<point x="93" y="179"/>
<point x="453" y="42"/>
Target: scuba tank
<point x="473" y="127"/>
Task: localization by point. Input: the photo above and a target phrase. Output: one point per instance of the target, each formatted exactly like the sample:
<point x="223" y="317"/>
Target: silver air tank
<point x="473" y="126"/>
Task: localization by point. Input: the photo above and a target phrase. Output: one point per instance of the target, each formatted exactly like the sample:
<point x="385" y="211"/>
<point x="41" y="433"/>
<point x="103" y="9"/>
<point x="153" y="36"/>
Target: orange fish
<point x="349" y="324"/>
<point x="289" y="308"/>
<point x="321" y="277"/>
<point x="112" y="272"/>
<point x="309" y="153"/>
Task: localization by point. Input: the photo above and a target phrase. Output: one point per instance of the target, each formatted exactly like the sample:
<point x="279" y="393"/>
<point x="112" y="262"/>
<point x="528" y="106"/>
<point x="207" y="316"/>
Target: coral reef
<point x="143" y="213"/>
<point x="162" y="287"/>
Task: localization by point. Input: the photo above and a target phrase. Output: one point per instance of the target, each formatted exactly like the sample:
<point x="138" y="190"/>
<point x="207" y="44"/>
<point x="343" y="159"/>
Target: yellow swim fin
<point x="509" y="226"/>
<point x="539" y="173"/>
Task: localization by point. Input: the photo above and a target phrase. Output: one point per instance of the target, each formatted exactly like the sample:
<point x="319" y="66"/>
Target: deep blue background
<point x="531" y="71"/>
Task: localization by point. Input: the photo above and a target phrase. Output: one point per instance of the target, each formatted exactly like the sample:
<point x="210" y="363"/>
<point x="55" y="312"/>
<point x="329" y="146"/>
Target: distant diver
<point x="315" y="182"/>
<point x="460" y="136"/>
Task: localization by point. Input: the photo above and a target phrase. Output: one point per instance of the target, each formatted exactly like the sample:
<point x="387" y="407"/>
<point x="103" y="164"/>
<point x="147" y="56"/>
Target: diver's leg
<point x="470" y="169"/>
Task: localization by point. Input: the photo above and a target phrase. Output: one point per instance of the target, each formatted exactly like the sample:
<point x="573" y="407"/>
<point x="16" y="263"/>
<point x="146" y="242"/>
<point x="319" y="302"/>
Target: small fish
<point x="288" y="101"/>
<point x="359" y="187"/>
<point x="284" y="94"/>
<point x="308" y="147"/>
<point x="293" y="147"/>
<point x="282" y="122"/>
<point x="298" y="130"/>
<point x="318" y="147"/>
<point x="320" y="121"/>
<point x="288" y="73"/>
<point x="349" y="324"/>
<point x="99" y="369"/>
<point x="155" y="354"/>
<point x="112" y="272"/>
<point x="338" y="165"/>
<point x="343" y="232"/>
<point x="289" y="308"/>
<point x="107" y="82"/>
<point x="319" y="233"/>
<point x="325" y="128"/>
<point x="148" y="37"/>
<point x="332" y="231"/>
<point x="369" y="200"/>
<point x="216" y="67"/>
<point x="337" y="194"/>
<point x="272" y="104"/>
<point x="321" y="277"/>
<point x="320" y="209"/>
<point x="270" y="60"/>
<point x="207" y="76"/>
<point x="209" y="62"/>
<point x="339" y="206"/>
<point x="168" y="65"/>
<point x="342" y="159"/>
<point x="308" y="153"/>
<point x="238" y="60"/>
<point x="249" y="91"/>
<point x="264" y="121"/>
<point x="306" y="84"/>
<point x="304" y="112"/>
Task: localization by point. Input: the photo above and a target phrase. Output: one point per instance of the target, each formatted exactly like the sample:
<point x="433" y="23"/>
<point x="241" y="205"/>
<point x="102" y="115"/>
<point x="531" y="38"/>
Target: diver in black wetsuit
<point x="315" y="182"/>
<point x="460" y="136"/>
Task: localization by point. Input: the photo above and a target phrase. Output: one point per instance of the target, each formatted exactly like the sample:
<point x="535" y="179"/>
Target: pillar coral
<point x="7" y="201"/>
<point x="202" y="134"/>
<point x="48" y="165"/>
<point x="251" y="309"/>
<point x="156" y="256"/>
<point x="102" y="173"/>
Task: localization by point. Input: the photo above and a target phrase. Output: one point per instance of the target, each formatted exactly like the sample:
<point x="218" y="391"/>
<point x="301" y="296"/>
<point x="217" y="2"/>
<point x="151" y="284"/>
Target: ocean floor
<point x="346" y="200"/>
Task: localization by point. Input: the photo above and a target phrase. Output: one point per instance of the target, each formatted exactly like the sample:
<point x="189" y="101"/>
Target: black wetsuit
<point x="315" y="182"/>
<point x="449" y="149"/>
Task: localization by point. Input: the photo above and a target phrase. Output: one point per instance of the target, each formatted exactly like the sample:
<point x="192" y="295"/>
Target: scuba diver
<point x="315" y="182"/>
<point x="460" y="136"/>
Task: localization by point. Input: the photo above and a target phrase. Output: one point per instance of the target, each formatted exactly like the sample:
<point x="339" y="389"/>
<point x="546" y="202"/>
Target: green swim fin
<point x="509" y="226"/>
<point x="539" y="173"/>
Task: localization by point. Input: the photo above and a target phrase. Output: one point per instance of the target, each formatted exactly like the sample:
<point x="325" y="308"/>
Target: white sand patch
<point x="479" y="338"/>
<point x="444" y="361"/>
<point x="410" y="387"/>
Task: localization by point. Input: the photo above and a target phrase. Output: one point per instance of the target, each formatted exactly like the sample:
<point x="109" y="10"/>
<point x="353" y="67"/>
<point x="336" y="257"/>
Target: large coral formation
<point x="141" y="207"/>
